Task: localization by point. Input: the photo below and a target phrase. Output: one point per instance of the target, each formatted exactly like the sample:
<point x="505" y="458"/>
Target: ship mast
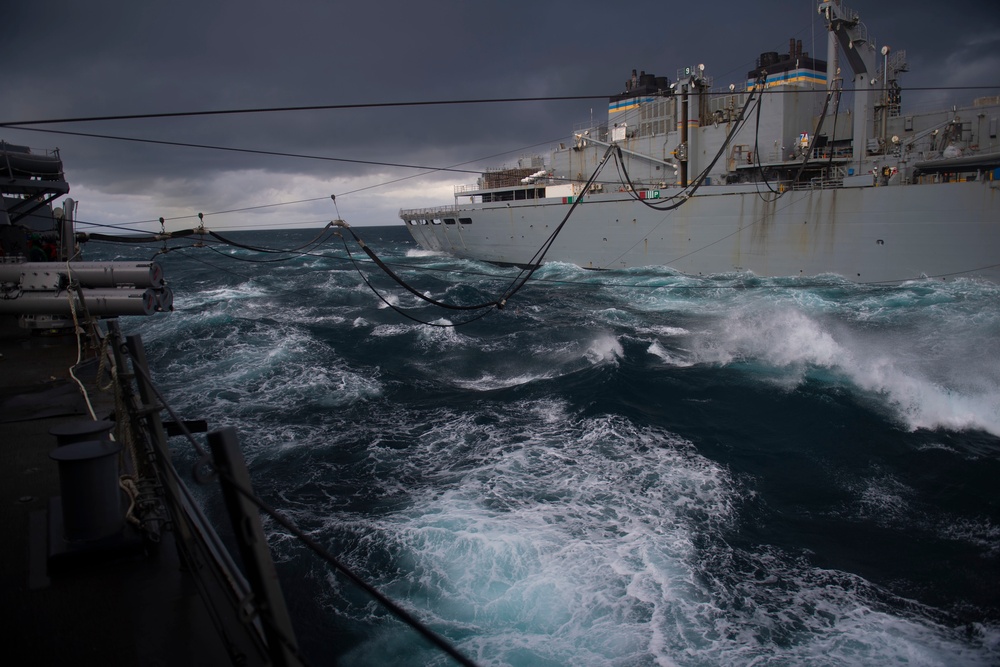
<point x="846" y="28"/>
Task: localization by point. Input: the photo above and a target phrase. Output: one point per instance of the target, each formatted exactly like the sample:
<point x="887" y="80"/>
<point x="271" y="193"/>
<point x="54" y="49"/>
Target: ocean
<point x="619" y="468"/>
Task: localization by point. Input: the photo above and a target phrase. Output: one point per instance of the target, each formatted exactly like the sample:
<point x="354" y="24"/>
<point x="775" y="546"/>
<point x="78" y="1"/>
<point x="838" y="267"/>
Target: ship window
<point x="425" y="222"/>
<point x="449" y="221"/>
<point x="465" y="221"/>
<point x="435" y="222"/>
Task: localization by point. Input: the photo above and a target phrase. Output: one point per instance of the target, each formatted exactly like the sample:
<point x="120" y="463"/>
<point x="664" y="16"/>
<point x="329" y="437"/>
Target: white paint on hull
<point x="865" y="234"/>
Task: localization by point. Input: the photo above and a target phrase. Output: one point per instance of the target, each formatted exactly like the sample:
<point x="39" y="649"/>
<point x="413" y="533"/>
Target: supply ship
<point x="803" y="170"/>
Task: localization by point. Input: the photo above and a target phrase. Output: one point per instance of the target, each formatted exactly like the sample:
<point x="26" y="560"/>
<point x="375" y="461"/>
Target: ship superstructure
<point x="799" y="171"/>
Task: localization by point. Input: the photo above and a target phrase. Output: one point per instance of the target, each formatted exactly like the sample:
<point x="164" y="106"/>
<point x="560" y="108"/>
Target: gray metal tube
<point x="90" y="274"/>
<point x="100" y="302"/>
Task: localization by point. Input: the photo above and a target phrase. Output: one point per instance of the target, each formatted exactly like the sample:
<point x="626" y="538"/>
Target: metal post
<point x="257" y="561"/>
<point x="683" y="157"/>
<point x="151" y="413"/>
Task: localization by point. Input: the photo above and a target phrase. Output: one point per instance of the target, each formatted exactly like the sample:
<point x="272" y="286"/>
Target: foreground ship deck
<point x="107" y="559"/>
<point x="122" y="608"/>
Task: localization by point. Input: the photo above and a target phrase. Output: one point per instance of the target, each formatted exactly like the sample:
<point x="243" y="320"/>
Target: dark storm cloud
<point x="73" y="59"/>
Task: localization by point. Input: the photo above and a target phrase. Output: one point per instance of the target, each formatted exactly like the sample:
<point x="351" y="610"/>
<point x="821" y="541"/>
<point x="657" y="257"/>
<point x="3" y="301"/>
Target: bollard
<point x="81" y="430"/>
<point x="88" y="481"/>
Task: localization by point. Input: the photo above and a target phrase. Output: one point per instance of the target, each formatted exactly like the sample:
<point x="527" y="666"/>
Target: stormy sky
<point x="69" y="60"/>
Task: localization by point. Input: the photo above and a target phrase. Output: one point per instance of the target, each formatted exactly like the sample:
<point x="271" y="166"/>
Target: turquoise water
<point x="619" y="468"/>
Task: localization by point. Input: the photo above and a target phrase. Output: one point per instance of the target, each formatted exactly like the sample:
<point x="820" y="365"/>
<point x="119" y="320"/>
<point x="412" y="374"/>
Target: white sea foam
<point x="542" y="532"/>
<point x="390" y="330"/>
<point x="489" y="382"/>
<point x="885" y="367"/>
<point x="597" y="542"/>
<point x="604" y="349"/>
<point x="657" y="350"/>
<point x="981" y="532"/>
<point x="543" y="549"/>
<point x="420" y="252"/>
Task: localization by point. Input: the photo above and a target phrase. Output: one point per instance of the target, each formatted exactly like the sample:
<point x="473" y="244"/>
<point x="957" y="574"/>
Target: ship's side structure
<point x="800" y="171"/>
<point x="112" y="561"/>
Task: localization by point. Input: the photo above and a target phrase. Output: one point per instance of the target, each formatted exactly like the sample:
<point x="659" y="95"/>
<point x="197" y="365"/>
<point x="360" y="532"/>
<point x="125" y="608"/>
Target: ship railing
<point x="727" y="103"/>
<point x="6" y="146"/>
<point x="826" y="153"/>
<point x="589" y="130"/>
<point x="428" y="213"/>
<point x="256" y="601"/>
<point x="253" y="602"/>
<point x="819" y="184"/>
<point x="464" y="189"/>
<point x="697" y="71"/>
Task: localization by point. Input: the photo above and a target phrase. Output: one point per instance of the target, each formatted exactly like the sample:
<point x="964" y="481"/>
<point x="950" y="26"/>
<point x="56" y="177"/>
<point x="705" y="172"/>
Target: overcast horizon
<point x="75" y="60"/>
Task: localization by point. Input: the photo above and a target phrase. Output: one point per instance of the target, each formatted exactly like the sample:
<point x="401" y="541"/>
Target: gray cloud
<point x="72" y="59"/>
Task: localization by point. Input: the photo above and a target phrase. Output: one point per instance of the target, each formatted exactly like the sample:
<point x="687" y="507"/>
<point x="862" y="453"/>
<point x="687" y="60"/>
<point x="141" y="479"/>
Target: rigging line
<point x="316" y="240"/>
<point x="815" y="135"/>
<point x="110" y="226"/>
<point x="699" y="180"/>
<point x="318" y="107"/>
<point x="939" y="275"/>
<point x="252" y="151"/>
<point x="400" y="613"/>
<point x="432" y="170"/>
<point x="833" y="137"/>
<point x="427" y="170"/>
<point x="685" y="194"/>
<point x="536" y="260"/>
<point x="402" y="283"/>
<point x="377" y="105"/>
<point x="523" y="276"/>
<point x="121" y="239"/>
<point x="188" y="556"/>
<point x="402" y="312"/>
<point x="215" y="238"/>
<point x="240" y="227"/>
<point x="760" y="168"/>
<point x="259" y="206"/>
<point x="249" y="260"/>
<point x="233" y="210"/>
<point x="181" y="248"/>
<point x="740" y="229"/>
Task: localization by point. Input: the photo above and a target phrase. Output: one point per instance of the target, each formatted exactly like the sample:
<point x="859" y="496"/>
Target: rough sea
<point x="619" y="468"/>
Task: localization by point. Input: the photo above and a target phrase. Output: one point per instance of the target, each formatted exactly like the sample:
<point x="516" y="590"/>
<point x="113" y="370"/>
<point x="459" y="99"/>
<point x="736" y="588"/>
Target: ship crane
<point x="638" y="156"/>
<point x="847" y="30"/>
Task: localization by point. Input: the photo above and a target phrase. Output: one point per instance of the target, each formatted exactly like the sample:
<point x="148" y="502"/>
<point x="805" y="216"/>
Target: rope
<point x="78" y="330"/>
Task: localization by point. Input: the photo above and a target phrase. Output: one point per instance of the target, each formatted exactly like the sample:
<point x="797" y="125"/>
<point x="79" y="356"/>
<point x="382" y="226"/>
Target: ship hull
<point x="865" y="234"/>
